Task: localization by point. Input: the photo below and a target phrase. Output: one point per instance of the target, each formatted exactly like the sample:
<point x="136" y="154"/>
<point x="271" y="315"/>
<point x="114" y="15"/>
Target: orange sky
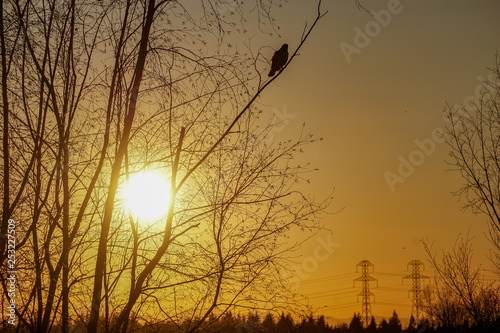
<point x="371" y="107"/>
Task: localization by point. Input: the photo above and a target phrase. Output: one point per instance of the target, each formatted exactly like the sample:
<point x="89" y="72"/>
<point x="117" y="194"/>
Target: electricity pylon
<point x="365" y="293"/>
<point x="415" y="275"/>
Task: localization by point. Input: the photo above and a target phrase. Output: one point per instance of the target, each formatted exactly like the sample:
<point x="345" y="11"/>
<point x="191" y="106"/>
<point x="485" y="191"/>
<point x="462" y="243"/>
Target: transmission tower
<point x="416" y="289"/>
<point x="365" y="293"/>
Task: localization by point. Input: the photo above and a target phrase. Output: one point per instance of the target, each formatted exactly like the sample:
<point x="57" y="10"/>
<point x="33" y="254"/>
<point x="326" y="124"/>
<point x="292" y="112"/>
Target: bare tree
<point x="173" y="95"/>
<point x="474" y="138"/>
<point x="222" y="90"/>
<point x="48" y="157"/>
<point x="461" y="297"/>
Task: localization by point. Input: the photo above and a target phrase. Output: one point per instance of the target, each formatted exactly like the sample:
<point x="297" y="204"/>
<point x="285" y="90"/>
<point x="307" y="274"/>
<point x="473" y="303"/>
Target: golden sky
<point x="375" y="108"/>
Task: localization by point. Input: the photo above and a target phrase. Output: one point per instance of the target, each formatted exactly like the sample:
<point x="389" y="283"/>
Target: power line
<point x="329" y="284"/>
<point x="390" y="274"/>
<point x="341" y="307"/>
<point x="416" y="289"/>
<point x="365" y="279"/>
<point x="329" y="295"/>
<point x="327" y="278"/>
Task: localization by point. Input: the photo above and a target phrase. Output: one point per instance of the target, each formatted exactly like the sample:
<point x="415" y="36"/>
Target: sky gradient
<point x="374" y="109"/>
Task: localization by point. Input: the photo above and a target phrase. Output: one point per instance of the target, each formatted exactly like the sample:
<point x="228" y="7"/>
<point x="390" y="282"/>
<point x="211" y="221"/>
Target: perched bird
<point x="279" y="60"/>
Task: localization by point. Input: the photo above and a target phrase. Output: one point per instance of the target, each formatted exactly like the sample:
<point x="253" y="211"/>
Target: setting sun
<point x="147" y="195"/>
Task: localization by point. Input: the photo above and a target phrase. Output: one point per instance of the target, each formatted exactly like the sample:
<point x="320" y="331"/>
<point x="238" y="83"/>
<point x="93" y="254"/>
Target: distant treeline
<point x="285" y="323"/>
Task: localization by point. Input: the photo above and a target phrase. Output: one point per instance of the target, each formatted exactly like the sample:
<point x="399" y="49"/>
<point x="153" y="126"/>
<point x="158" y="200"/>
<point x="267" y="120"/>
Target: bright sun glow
<point x="147" y="196"/>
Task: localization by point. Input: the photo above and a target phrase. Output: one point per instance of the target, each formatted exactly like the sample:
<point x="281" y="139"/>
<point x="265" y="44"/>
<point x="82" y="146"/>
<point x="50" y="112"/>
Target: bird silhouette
<point x="279" y="60"/>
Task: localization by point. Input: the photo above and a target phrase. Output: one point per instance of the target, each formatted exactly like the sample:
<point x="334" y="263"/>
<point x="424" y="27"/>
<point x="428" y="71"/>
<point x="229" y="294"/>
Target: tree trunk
<point x="115" y="173"/>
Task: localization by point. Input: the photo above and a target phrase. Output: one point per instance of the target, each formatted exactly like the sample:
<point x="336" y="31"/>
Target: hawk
<point x="279" y="60"/>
